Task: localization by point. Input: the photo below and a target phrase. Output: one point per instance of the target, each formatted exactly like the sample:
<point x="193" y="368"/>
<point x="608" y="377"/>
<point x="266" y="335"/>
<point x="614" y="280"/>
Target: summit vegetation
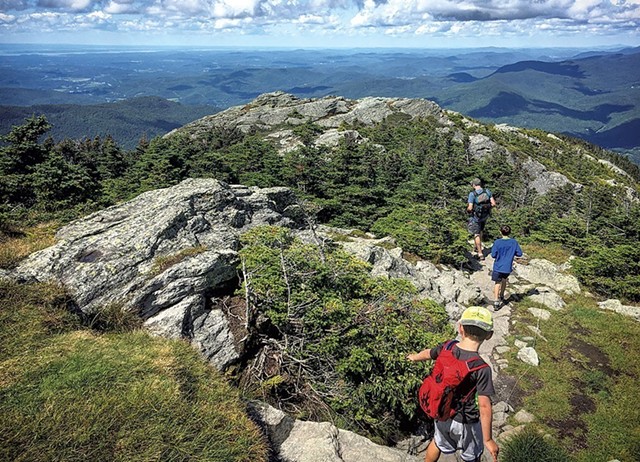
<point x="342" y="334"/>
<point x="414" y="188"/>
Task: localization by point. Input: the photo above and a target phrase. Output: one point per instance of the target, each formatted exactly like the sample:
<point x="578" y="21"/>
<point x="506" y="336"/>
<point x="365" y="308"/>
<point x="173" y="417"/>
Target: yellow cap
<point x="477" y="316"/>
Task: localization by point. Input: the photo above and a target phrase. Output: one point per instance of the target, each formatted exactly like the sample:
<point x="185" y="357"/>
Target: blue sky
<point x="323" y="23"/>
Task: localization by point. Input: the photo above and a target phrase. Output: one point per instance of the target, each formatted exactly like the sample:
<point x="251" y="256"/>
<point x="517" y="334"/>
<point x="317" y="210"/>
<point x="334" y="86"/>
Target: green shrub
<point x="530" y="446"/>
<point x="433" y="234"/>
<point x="612" y="271"/>
<point x="344" y="335"/>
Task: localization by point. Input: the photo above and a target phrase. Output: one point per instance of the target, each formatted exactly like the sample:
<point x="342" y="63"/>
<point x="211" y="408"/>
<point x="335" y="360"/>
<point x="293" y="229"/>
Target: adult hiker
<point x="479" y="207"/>
<point x="457" y="394"/>
<point x="504" y="251"/>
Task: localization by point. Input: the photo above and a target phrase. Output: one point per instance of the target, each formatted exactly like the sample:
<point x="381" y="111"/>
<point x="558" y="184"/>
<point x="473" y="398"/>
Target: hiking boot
<point x="497" y="305"/>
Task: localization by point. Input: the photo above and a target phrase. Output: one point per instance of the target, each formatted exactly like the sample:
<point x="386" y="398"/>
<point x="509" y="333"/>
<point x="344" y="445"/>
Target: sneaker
<point x="497" y="305"/>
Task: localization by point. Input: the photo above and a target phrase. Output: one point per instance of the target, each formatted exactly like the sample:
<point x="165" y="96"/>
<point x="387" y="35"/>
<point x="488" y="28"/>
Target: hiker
<point x="461" y="409"/>
<point x="479" y="207"/>
<point x="504" y="251"/>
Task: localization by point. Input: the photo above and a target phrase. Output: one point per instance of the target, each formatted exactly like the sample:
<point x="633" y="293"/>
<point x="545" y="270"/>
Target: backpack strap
<point x="449" y="344"/>
<point x="474" y="364"/>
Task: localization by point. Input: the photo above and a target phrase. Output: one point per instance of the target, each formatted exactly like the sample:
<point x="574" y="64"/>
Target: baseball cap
<point x="476" y="182"/>
<point x="477" y="316"/>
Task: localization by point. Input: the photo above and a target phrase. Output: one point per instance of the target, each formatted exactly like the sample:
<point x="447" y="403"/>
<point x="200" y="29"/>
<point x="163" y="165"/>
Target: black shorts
<point x="497" y="276"/>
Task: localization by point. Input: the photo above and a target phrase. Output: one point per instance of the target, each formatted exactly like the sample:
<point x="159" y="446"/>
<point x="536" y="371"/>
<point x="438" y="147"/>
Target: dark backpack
<point x="482" y="206"/>
<point x="440" y="395"/>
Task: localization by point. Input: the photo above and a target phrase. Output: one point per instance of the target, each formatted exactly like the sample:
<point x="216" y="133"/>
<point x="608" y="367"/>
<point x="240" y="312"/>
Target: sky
<point x="323" y="23"/>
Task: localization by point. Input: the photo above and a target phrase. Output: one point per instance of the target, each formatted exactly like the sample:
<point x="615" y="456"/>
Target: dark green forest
<point x="414" y="189"/>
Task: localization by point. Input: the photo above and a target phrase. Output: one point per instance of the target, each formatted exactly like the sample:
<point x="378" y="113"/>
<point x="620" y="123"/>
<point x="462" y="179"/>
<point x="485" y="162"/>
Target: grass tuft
<point x="555" y="253"/>
<point x="113" y="318"/>
<point x="23" y="242"/>
<point x="530" y="446"/>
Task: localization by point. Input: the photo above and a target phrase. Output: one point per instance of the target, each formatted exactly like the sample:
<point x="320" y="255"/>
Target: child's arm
<point x="424" y="355"/>
<point x="486" y="416"/>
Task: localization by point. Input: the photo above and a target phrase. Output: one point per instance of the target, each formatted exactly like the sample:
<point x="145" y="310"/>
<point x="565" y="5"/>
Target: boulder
<point x="510" y="433"/>
<point x="303" y="441"/>
<point x="270" y="110"/>
<point x="529" y="356"/>
<point x="547" y="297"/>
<point x="544" y="315"/>
<point x="542" y="180"/>
<point x="164" y="255"/>
<point x="618" y="307"/>
<point x="481" y="146"/>
<point x="333" y="137"/>
<point x="539" y="271"/>
<point x="447" y="286"/>
<point x="524" y="417"/>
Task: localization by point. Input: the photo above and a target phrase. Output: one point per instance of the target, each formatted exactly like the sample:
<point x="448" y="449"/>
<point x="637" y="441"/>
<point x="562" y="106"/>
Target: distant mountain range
<point x="593" y="95"/>
<point x="596" y="98"/>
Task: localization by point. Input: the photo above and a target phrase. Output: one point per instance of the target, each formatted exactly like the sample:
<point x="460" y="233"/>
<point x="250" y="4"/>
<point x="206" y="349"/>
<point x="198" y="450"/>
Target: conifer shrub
<point x="611" y="271"/>
<point x="342" y="335"/>
<point x="433" y="234"/>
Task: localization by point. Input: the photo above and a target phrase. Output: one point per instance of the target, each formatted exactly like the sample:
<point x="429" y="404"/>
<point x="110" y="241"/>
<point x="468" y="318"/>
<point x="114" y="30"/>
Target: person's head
<point x="476" y="183"/>
<point x="476" y="323"/>
<point x="505" y="230"/>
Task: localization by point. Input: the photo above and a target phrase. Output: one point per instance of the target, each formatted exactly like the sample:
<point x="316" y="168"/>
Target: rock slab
<point x="164" y="255"/>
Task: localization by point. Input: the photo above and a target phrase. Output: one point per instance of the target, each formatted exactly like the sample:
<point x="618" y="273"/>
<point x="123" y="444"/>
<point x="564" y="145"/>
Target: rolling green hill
<point x="595" y="98"/>
<point x="126" y="121"/>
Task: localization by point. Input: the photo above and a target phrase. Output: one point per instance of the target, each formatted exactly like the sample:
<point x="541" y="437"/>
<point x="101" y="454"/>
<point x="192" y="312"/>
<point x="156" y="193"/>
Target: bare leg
<point x="478" y="242"/>
<point x="496" y="291"/>
<point x="433" y="453"/>
<point x="503" y="286"/>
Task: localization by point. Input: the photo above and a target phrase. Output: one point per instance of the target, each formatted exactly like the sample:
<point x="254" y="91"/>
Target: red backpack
<point x="438" y="396"/>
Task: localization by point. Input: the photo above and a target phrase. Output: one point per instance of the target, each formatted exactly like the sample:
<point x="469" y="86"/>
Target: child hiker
<point x="457" y="393"/>
<point x="504" y="251"/>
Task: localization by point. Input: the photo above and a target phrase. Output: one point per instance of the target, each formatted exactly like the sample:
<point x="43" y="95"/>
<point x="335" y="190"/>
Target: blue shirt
<point x="504" y="250"/>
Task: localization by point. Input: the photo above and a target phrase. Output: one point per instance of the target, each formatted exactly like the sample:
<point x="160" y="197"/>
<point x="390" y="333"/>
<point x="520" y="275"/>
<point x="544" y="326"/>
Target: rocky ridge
<point x="273" y="114"/>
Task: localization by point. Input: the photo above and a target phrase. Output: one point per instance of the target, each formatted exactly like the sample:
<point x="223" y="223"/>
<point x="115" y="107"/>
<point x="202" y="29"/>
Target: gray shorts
<point x="475" y="227"/>
<point x="451" y="436"/>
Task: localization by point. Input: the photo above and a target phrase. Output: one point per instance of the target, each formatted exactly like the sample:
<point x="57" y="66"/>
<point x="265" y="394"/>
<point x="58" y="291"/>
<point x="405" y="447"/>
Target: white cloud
<point x="398" y="18"/>
<point x="400" y="12"/>
<point x="123" y="7"/>
<point x="226" y="23"/>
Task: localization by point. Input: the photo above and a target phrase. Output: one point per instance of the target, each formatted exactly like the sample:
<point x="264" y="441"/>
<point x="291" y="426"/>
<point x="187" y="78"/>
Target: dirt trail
<point x="501" y="319"/>
<point x="481" y="277"/>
